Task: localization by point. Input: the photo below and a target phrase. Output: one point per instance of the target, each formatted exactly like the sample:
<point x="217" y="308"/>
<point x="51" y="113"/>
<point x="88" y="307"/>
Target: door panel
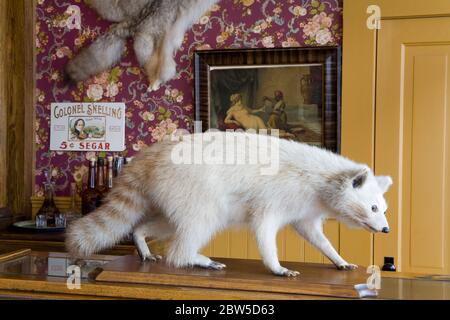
<point x="427" y="70"/>
<point x="412" y="141"/>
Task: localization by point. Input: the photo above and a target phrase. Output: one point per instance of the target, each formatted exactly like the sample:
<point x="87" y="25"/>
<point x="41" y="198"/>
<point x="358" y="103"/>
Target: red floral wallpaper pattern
<point x="65" y="26"/>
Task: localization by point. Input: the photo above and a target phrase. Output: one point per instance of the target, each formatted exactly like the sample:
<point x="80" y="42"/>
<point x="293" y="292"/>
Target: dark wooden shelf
<point x="12" y="238"/>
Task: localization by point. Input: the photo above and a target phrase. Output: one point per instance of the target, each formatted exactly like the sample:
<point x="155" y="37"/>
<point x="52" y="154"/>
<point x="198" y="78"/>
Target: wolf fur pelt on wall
<point x="157" y="27"/>
<point x="189" y="203"/>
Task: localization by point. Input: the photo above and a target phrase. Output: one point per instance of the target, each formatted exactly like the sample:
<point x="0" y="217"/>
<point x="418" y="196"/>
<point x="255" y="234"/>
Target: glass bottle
<point x="73" y="212"/>
<point x="110" y="174"/>
<point x="100" y="183"/>
<point x="119" y="165"/>
<point x="115" y="159"/>
<point x="48" y="209"/>
<point x="90" y="195"/>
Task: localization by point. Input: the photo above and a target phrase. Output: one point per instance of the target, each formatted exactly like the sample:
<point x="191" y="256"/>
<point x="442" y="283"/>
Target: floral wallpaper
<point x="65" y="26"/>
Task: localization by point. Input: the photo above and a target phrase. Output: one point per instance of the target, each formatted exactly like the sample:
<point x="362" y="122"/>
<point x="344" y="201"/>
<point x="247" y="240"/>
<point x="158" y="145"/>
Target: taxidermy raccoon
<point x="158" y="28"/>
<point x="160" y="198"/>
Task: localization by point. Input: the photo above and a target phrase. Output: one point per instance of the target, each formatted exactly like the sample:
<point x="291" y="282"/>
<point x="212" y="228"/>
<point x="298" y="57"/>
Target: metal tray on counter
<point x="30" y="225"/>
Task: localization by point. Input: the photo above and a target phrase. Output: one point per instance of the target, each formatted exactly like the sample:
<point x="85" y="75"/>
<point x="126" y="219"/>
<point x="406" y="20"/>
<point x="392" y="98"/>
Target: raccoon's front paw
<point x="169" y="70"/>
<point x="284" y="272"/>
<point x="347" y="267"/>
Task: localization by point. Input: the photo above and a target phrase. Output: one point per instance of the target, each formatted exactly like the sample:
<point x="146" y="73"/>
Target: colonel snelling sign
<point x="87" y="127"/>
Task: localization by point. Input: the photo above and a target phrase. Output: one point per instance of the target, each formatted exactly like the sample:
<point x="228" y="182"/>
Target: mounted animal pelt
<point x="157" y="27"/>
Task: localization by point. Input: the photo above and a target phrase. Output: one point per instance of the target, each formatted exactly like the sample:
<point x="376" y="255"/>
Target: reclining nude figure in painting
<point x="242" y="116"/>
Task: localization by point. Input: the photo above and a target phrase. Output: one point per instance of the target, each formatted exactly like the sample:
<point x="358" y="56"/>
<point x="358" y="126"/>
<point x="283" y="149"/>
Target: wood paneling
<point x="429" y="162"/>
<point x="3" y="103"/>
<point x="16" y="104"/>
<point x="241" y="244"/>
<point x="29" y="104"/>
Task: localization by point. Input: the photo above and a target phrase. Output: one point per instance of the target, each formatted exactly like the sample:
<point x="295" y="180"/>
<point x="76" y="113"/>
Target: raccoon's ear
<point x="384" y="182"/>
<point x="359" y="178"/>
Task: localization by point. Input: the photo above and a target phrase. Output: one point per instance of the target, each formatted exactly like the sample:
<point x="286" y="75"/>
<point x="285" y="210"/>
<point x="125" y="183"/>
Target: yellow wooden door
<point x="395" y="118"/>
<point x="361" y="115"/>
<point x="413" y="141"/>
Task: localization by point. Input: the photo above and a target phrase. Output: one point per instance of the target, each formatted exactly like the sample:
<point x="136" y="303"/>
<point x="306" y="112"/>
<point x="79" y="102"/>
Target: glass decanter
<point x="48" y="212"/>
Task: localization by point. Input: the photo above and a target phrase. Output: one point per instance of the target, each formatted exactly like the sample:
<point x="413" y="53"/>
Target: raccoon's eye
<point x="374" y="208"/>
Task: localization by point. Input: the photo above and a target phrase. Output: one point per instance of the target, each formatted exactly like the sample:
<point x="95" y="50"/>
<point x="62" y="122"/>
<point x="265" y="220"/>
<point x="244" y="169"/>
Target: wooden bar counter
<point x="27" y="274"/>
<point x="33" y="266"/>
<point x="30" y="274"/>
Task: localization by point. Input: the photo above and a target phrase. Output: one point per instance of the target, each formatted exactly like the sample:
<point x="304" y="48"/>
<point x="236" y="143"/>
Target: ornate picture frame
<point x="295" y="90"/>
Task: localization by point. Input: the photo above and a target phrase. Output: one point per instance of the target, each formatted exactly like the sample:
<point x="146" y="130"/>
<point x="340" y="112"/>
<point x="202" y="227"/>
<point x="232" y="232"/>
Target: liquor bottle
<point x="115" y="158"/>
<point x="48" y="209"/>
<point x="90" y="195"/>
<point x="100" y="183"/>
<point x="119" y="165"/>
<point x="389" y="264"/>
<point x="73" y="212"/>
<point x="110" y="174"/>
<point x="102" y="155"/>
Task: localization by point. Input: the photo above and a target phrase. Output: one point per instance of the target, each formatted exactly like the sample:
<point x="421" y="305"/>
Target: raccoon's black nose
<point x="385" y="230"/>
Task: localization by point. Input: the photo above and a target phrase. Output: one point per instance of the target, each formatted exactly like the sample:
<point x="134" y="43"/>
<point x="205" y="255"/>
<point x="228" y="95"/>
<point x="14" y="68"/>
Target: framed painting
<point x="293" y="90"/>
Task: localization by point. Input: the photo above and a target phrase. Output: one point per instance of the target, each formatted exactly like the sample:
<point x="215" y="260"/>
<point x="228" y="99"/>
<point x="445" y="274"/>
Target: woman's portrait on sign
<point x="87" y="128"/>
<point x="78" y="132"/>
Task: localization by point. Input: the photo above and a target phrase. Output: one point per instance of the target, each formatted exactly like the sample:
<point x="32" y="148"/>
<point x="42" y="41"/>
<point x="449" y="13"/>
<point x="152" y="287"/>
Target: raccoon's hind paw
<point x="154" y="85"/>
<point x="347" y="267"/>
<point x="151" y="258"/>
<point x="216" y="265"/>
<point x="284" y="272"/>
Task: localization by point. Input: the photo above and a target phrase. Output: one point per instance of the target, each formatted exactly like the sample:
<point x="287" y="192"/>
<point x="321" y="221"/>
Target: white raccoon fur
<point x="154" y="197"/>
<point x="158" y="28"/>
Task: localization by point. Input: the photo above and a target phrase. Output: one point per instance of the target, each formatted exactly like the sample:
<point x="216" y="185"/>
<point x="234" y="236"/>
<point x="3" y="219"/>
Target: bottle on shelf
<point x="389" y="264"/>
<point x="115" y="159"/>
<point x="102" y="156"/>
<point x="45" y="217"/>
<point x="119" y="165"/>
<point x="73" y="212"/>
<point x="110" y="173"/>
<point x="90" y="195"/>
<point x="100" y="183"/>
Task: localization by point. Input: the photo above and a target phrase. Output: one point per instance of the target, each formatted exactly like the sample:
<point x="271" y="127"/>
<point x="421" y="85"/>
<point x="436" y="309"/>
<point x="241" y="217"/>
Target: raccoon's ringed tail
<point x="106" y="226"/>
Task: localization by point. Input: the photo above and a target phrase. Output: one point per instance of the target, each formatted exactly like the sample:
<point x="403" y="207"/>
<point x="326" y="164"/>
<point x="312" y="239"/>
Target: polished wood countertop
<point x="125" y="277"/>
<point x="26" y="273"/>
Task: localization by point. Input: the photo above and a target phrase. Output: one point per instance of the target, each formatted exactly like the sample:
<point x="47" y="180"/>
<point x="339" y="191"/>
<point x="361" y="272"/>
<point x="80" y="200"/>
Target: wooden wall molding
<point x="17" y="25"/>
